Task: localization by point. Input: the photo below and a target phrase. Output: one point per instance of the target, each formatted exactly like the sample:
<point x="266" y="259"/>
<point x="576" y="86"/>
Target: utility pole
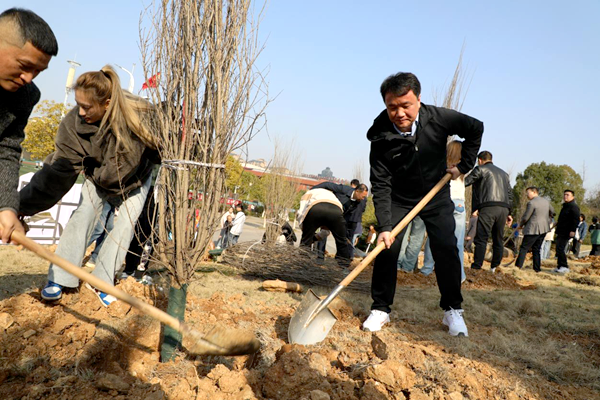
<point x="69" y="84"/>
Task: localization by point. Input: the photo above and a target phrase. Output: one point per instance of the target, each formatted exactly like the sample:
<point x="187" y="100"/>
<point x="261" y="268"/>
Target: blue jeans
<point x="105" y="224"/>
<point x="80" y="227"/>
<point x="460" y="219"/>
<point x="546" y="249"/>
<point x="415" y="241"/>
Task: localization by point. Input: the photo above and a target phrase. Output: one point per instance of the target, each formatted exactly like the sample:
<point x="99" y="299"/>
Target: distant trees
<point x="41" y="130"/>
<point x="551" y="180"/>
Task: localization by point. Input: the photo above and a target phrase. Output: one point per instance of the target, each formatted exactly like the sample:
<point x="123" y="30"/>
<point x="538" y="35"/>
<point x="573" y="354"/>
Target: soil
<point x="78" y="349"/>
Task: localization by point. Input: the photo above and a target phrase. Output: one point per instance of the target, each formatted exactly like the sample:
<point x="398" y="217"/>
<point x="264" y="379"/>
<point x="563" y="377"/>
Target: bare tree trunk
<point x="211" y="102"/>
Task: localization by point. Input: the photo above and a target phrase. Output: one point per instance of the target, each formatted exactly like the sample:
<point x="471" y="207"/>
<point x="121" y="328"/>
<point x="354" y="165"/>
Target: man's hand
<point x="571" y="234"/>
<point x="9" y="222"/>
<point x="454" y="171"/>
<point x="385" y="238"/>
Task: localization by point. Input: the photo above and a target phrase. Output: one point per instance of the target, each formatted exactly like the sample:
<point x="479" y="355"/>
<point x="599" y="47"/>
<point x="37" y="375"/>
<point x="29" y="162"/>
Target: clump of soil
<point x="78" y="349"/>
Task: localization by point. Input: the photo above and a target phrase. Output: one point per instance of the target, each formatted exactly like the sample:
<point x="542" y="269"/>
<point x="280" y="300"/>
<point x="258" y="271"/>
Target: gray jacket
<point x="15" y="108"/>
<point x="537" y="217"/>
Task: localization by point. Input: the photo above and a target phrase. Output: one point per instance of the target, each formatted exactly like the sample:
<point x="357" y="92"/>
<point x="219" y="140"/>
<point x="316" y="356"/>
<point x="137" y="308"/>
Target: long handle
<point x="405" y="221"/>
<point x="100" y="284"/>
<point x="378" y="249"/>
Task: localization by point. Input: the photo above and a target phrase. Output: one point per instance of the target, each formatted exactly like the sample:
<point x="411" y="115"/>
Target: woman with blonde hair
<point x="457" y="194"/>
<point x="107" y="137"/>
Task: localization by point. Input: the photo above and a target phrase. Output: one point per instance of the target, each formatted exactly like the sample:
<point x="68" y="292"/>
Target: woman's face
<point x="90" y="110"/>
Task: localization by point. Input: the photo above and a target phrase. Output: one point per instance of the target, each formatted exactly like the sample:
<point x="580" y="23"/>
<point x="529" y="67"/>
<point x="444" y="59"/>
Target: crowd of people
<point x="107" y="138"/>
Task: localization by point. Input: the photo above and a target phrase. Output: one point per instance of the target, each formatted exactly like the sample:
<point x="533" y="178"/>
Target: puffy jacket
<point x="404" y="170"/>
<point x="491" y="187"/>
<point x="114" y="170"/>
<point x="316" y="196"/>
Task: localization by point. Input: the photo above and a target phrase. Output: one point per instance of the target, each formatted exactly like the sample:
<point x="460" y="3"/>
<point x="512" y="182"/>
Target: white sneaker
<point x="562" y="270"/>
<point x="453" y="319"/>
<point x="376" y="321"/>
<point x="493" y="270"/>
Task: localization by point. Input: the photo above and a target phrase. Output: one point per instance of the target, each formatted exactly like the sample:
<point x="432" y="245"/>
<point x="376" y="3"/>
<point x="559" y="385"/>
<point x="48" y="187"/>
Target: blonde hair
<point x="125" y="111"/>
<point x="453" y="152"/>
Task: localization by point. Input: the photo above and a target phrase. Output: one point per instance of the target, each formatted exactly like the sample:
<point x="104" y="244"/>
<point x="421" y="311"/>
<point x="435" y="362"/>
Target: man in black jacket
<point x="568" y="219"/>
<point x="26" y="46"/>
<point x="408" y="157"/>
<point x="492" y="197"/>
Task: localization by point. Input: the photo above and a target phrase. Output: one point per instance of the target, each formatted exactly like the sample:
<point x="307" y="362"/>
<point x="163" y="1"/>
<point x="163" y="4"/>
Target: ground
<point x="531" y="336"/>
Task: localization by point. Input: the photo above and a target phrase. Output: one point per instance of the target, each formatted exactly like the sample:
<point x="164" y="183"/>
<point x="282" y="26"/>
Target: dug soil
<point x="78" y="349"/>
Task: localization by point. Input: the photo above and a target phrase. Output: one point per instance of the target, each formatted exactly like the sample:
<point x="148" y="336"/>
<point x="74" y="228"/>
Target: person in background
<point x="579" y="235"/>
<point x="237" y="224"/>
<point x="471" y="231"/>
<point x="548" y="239"/>
<point x="408" y="261"/>
<point x="221" y="242"/>
<point x="26" y="46"/>
<point x="493" y="199"/>
<point x="535" y="222"/>
<point x="595" y="236"/>
<point x="568" y="220"/>
<point x="371" y="237"/>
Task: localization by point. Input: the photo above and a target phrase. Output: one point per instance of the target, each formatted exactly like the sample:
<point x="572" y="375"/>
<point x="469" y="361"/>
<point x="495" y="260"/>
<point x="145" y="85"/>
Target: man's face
<point x="568" y="197"/>
<point x="403" y="110"/>
<point x="531" y="194"/>
<point x="359" y="196"/>
<point x="90" y="110"/>
<point x="20" y="65"/>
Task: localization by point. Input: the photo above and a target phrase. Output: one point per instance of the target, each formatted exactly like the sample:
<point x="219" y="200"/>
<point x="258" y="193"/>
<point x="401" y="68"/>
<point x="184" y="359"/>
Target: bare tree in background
<point x="279" y="188"/>
<point x="358" y="171"/>
<point x="454" y="98"/>
<point x="201" y="55"/>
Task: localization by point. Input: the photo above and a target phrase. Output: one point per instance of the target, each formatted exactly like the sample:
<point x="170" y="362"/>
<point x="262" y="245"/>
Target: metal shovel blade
<point x="301" y="333"/>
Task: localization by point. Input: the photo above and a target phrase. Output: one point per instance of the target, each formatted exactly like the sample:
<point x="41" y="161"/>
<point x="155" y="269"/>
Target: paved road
<point x="253" y="231"/>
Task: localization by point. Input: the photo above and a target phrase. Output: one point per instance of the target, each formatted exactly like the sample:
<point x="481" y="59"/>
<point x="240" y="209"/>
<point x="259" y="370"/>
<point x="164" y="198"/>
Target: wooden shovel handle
<point x="99" y="284"/>
<point x="405" y="221"/>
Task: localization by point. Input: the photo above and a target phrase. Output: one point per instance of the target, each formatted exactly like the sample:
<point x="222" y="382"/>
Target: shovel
<point x="218" y="341"/>
<point x="312" y="321"/>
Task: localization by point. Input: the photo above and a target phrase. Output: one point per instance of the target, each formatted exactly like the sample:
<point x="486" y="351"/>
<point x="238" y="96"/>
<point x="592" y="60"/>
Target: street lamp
<point x="130" y="88"/>
<point x="69" y="84"/>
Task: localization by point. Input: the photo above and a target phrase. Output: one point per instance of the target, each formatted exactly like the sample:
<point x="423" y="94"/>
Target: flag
<point x="152" y="82"/>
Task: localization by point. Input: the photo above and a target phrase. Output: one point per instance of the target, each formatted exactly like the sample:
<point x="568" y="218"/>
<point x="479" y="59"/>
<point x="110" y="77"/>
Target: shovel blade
<point x="301" y="333"/>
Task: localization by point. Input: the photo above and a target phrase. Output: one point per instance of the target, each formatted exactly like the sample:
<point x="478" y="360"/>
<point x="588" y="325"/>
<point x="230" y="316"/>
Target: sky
<point x="533" y="66"/>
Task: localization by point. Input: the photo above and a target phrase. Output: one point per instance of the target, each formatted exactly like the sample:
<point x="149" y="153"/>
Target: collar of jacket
<point x="383" y="128"/>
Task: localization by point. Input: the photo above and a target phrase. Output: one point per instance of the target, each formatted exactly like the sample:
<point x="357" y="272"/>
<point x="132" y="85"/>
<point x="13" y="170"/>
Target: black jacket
<point x="568" y="219"/>
<point x="403" y="171"/>
<point x="343" y="194"/>
<point x="15" y="108"/>
<point x="491" y="187"/>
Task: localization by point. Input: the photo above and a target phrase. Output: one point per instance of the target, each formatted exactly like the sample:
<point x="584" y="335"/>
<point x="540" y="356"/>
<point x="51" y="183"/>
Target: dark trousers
<point x="595" y="250"/>
<point x="329" y="215"/>
<point x="533" y="242"/>
<point x="561" y="244"/>
<point x="576" y="247"/>
<point x="491" y="221"/>
<point x="142" y="233"/>
<point x="439" y="222"/>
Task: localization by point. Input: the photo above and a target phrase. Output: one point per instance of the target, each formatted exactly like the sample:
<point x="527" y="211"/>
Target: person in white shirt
<point x="237" y="225"/>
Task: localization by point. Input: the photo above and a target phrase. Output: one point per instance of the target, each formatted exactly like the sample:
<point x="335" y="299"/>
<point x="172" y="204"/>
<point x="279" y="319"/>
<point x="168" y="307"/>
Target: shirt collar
<point x="413" y="128"/>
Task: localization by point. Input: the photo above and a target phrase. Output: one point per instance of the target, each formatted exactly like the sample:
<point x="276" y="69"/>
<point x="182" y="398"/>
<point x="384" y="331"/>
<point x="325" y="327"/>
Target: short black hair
<point x="354" y="182"/>
<point x="533" y="189"/>
<point x="33" y="29"/>
<point x="362" y="188"/>
<point x="595" y="220"/>
<point x="582" y="216"/>
<point x="241" y="206"/>
<point x="570" y="191"/>
<point x="485" y="156"/>
<point x="401" y="83"/>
